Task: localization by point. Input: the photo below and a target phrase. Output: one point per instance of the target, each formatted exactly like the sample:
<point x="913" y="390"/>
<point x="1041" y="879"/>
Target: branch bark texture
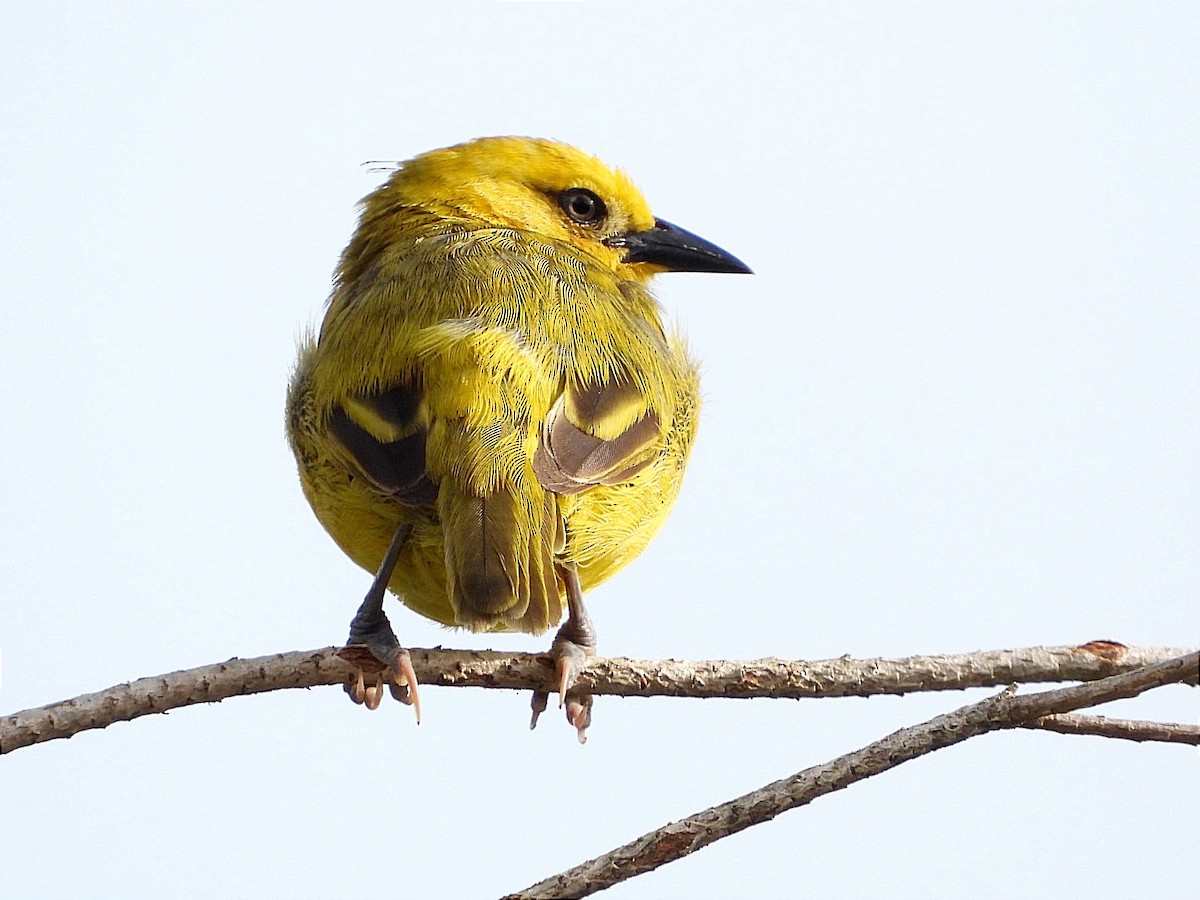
<point x="688" y="835"/>
<point x="841" y="677"/>
<point x="1123" y="729"/>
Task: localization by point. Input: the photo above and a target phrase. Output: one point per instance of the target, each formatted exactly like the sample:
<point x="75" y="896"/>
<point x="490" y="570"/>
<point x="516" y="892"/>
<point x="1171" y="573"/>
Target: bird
<point x="493" y="417"/>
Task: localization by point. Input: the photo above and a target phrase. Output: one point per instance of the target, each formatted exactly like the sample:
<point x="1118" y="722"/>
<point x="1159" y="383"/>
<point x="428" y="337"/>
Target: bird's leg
<point x="573" y="647"/>
<point x="371" y="628"/>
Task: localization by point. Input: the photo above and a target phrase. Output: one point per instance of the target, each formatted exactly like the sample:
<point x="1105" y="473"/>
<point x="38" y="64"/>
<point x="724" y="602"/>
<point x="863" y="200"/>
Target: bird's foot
<point x="372" y="646"/>
<point x="378" y="660"/>
<point x="366" y="687"/>
<point x="572" y="653"/>
<point x="573" y="648"/>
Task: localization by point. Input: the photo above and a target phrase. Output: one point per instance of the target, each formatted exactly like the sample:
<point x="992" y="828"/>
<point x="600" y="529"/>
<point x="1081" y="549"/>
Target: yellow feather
<point x="474" y="294"/>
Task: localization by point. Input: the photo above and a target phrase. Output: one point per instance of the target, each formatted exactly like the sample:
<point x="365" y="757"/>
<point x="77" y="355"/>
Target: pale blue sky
<point x="956" y="408"/>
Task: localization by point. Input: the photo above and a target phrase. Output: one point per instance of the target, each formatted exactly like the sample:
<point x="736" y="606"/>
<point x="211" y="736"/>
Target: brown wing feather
<point x="569" y="459"/>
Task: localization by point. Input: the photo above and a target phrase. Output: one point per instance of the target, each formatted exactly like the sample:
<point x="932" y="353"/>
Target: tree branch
<point x="840" y="677"/>
<point x="688" y="835"/>
<point x="1125" y="729"/>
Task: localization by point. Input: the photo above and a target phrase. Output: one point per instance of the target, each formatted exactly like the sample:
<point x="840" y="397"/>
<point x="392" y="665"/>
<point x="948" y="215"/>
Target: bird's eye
<point x="582" y="205"/>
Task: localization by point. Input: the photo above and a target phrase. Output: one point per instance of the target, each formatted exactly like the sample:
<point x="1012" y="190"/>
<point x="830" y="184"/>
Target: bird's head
<point x="558" y="192"/>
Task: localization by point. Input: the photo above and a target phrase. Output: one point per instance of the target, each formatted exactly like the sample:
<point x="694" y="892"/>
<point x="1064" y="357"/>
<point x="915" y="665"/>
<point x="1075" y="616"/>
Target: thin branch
<point x="1125" y="729"/>
<point x="840" y="677"/>
<point x="688" y="835"/>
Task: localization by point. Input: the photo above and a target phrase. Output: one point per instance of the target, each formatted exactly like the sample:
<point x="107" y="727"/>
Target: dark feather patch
<point x="394" y="467"/>
<point x="397" y="405"/>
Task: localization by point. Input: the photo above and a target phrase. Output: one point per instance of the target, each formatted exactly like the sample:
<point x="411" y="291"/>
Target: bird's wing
<point x="573" y="454"/>
<point x="384" y="435"/>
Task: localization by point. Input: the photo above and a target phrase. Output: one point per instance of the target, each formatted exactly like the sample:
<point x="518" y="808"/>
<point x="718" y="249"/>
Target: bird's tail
<point x="500" y="557"/>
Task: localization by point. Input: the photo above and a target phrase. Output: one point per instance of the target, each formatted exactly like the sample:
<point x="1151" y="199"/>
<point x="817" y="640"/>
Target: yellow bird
<point x="493" y="417"/>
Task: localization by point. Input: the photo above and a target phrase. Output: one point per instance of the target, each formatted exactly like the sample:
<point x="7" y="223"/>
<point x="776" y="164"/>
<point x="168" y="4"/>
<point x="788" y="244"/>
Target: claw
<point x="541" y="699"/>
<point x="567" y="666"/>
<point x="407" y="680"/>
<point x="356" y="689"/>
<point x="374" y="694"/>
<point x="579" y="714"/>
<point x="570" y="660"/>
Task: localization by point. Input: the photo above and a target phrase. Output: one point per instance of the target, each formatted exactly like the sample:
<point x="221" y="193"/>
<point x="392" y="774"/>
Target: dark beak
<point x="676" y="250"/>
